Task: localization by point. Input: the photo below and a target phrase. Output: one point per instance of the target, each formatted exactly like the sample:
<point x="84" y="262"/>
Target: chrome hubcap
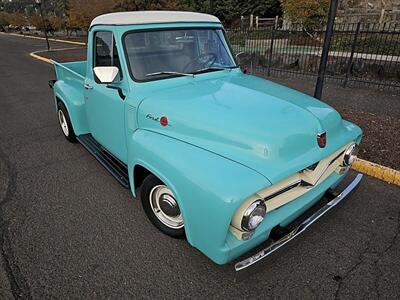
<point x="165" y="207"/>
<point x="63" y="122"/>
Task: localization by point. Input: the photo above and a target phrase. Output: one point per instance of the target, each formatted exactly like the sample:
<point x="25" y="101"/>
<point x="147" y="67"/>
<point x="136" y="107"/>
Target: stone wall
<point x="368" y="11"/>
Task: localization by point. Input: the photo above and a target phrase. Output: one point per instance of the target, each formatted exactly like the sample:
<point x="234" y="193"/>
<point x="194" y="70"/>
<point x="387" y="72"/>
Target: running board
<point x="112" y="164"/>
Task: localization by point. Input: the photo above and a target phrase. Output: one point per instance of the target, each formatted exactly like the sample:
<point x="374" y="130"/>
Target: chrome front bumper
<point x="300" y="229"/>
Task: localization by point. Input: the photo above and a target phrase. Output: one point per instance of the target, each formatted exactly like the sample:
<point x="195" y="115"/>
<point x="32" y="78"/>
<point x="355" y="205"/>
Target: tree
<point x="81" y="13"/>
<point x="311" y="14"/>
<point x="4" y="19"/>
<point x="16" y="6"/>
<point x="56" y="8"/>
<point x="18" y="19"/>
<point x="230" y="10"/>
<point x="51" y="23"/>
<point x="130" y="5"/>
<point x="56" y="23"/>
<point x="36" y="20"/>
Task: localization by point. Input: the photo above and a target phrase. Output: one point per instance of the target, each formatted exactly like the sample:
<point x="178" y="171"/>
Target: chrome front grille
<point x="299" y="183"/>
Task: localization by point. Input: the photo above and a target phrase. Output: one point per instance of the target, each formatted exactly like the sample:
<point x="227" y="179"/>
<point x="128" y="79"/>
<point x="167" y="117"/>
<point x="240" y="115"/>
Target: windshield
<point x="177" y="52"/>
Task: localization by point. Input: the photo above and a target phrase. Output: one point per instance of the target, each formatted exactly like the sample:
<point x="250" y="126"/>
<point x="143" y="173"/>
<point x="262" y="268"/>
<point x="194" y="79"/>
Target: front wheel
<point x="161" y="207"/>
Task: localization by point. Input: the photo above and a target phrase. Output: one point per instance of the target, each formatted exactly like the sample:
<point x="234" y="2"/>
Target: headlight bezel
<point x="350" y="155"/>
<point x="249" y="213"/>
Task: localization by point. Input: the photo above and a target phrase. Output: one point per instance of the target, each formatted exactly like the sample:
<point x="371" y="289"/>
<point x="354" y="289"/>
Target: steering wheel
<point x="202" y="61"/>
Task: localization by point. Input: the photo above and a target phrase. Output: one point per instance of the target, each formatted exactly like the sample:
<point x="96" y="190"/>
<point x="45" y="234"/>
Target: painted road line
<point x="42" y="38"/>
<point x="372" y="169"/>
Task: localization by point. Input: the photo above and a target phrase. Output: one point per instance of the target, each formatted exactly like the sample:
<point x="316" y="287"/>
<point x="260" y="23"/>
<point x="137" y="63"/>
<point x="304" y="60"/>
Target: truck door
<point x="104" y="105"/>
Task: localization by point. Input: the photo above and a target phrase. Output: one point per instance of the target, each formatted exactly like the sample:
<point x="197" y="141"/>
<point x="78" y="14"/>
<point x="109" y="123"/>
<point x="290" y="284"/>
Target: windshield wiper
<point x="169" y="73"/>
<point x="214" y="69"/>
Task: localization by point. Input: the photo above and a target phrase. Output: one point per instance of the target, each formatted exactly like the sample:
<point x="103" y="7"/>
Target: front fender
<point x="208" y="187"/>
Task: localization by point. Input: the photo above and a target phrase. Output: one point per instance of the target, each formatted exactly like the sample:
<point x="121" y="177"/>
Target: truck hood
<point x="262" y="125"/>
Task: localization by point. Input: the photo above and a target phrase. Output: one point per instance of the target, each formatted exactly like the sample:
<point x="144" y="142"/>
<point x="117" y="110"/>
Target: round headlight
<point x="350" y="155"/>
<point x="254" y="215"/>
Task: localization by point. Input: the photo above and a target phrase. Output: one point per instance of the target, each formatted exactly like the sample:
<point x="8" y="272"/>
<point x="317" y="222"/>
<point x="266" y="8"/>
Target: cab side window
<point x="105" y="51"/>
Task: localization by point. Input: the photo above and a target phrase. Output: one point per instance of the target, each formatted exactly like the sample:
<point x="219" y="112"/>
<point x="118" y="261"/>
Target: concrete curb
<point x="42" y="38"/>
<point x="372" y="169"/>
<point x="47" y="60"/>
<point x="35" y="56"/>
<point x="369" y="168"/>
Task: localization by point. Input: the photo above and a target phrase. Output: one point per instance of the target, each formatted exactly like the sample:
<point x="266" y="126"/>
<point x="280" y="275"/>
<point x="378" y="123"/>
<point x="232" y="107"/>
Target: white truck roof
<point x="152" y="17"/>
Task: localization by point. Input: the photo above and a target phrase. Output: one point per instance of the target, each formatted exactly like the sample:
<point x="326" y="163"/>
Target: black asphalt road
<point x="68" y="229"/>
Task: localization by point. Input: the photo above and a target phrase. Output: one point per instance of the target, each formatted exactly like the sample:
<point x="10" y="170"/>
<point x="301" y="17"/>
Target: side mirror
<point x="237" y="56"/>
<point x="238" y="61"/>
<point x="106" y="74"/>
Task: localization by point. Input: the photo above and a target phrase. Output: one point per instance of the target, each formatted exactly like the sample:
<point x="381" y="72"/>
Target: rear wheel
<point x="161" y="207"/>
<point x="65" y="122"/>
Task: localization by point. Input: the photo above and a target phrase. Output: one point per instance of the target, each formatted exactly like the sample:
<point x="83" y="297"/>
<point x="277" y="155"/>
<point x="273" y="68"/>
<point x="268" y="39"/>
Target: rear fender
<point x="74" y="101"/>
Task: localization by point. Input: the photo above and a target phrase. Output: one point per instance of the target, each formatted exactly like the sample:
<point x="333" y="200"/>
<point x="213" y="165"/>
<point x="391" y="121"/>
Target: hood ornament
<point x="321" y="139"/>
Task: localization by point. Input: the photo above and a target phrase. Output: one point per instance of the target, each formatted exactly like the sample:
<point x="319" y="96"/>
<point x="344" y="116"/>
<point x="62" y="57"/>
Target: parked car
<point x="223" y="158"/>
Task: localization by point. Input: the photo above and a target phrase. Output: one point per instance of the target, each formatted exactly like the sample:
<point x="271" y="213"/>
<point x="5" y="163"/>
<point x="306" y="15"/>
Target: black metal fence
<point x="360" y="54"/>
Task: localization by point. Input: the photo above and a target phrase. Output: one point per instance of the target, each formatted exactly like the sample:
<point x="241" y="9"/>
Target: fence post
<point x="251" y="21"/>
<point x="325" y="50"/>
<point x="353" y="48"/>
<point x="270" y="52"/>
<point x="241" y="22"/>
<point x="257" y="22"/>
<point x="381" y="18"/>
<point x="276" y="22"/>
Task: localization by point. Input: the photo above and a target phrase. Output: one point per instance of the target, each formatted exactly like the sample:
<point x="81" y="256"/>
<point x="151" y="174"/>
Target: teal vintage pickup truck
<point x="225" y="159"/>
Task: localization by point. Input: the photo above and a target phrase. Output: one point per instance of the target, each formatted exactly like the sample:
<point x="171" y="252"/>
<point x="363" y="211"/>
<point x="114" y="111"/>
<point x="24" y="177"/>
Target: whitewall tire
<point x="161" y="207"/>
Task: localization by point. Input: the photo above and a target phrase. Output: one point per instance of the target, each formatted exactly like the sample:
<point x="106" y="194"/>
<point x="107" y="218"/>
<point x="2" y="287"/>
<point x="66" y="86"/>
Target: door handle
<point x="88" y="86"/>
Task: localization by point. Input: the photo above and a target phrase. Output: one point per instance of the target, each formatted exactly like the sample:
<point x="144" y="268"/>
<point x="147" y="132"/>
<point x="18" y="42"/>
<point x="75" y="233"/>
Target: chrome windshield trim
<point x="300" y="229"/>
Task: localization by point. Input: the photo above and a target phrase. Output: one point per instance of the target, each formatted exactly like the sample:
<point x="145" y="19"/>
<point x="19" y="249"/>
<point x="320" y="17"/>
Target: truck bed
<point x="73" y="72"/>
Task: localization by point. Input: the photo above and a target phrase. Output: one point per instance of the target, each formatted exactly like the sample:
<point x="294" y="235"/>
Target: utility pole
<point x="325" y="50"/>
<point x="39" y="4"/>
